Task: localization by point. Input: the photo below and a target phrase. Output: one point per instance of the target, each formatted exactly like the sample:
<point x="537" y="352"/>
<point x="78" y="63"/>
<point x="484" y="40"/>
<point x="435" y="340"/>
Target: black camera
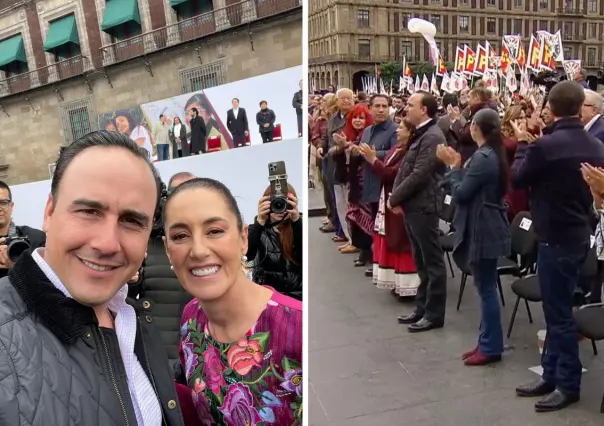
<point x="16" y="246"/>
<point x="277" y="176"/>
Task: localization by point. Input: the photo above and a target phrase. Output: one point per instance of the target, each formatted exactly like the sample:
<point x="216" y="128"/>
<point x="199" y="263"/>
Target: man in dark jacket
<point x="19" y="237"/>
<point x="78" y="351"/>
<point x="237" y="124"/>
<point x="561" y="206"/>
<point x="159" y="288"/>
<point x="198" y="133"/>
<point x="416" y="192"/>
<point x="297" y="103"/>
<point x="265" y="118"/>
<point x="591" y="114"/>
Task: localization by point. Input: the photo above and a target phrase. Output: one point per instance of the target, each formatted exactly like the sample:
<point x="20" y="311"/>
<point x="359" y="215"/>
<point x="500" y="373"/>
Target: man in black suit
<point x="237" y="124"/>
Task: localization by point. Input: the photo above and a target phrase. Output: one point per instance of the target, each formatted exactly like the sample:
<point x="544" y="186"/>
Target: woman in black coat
<point x="180" y="147"/>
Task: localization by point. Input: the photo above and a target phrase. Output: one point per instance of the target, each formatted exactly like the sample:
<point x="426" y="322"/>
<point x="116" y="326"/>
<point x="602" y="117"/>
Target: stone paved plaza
<point x="366" y="369"/>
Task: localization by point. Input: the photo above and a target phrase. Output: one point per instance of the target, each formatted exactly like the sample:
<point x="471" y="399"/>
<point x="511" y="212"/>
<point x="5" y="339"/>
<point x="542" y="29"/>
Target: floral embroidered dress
<point x="256" y="381"/>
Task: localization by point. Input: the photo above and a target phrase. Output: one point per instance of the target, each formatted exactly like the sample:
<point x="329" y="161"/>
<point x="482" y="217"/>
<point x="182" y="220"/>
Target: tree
<point x="389" y="71"/>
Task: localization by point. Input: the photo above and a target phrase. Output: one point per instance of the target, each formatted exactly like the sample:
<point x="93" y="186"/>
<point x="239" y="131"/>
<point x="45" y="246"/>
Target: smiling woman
<point x="239" y="368"/>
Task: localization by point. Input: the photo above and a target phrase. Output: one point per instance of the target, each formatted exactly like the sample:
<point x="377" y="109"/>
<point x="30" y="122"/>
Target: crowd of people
<point x="389" y="167"/>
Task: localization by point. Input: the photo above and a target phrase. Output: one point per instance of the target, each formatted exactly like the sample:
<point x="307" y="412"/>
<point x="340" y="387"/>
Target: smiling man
<point x="76" y="352"/>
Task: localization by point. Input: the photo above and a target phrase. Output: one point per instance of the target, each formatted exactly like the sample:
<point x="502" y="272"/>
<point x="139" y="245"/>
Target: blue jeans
<point x="559" y="269"/>
<point x="163" y="151"/>
<point x="490" y="340"/>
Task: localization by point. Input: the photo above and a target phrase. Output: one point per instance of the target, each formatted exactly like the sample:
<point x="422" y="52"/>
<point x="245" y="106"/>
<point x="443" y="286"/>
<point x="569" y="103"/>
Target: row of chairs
<point x="522" y="265"/>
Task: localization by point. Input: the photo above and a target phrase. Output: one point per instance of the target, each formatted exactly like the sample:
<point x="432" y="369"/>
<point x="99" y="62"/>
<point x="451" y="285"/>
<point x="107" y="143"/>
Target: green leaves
<point x="262" y="339"/>
<point x="289" y="364"/>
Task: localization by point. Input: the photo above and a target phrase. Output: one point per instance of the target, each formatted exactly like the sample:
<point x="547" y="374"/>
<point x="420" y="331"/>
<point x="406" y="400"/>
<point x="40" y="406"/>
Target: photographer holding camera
<point x="275" y="242"/>
<point x="14" y="240"/>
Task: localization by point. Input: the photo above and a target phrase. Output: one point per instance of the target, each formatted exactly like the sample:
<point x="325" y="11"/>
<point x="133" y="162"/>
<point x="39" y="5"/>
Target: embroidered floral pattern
<point x="241" y="384"/>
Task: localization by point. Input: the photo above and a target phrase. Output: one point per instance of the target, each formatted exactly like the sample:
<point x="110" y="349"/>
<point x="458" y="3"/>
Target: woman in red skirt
<point x="393" y="266"/>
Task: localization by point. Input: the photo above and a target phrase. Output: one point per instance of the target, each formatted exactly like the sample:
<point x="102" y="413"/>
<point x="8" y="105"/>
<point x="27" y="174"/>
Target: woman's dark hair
<point x="487" y="120"/>
<point x="197" y="99"/>
<point x="207" y="183"/>
<point x="105" y="139"/>
<point x="177" y="118"/>
<point x="132" y="123"/>
<point x="286" y="231"/>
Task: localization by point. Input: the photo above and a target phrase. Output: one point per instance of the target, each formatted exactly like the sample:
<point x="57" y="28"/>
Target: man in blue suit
<point x="591" y="114"/>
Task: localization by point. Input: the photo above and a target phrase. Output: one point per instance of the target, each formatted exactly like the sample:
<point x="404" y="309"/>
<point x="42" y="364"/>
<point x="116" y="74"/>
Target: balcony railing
<point x="358" y="58"/>
<point x="573" y="37"/>
<point x="187" y="30"/>
<point x="571" y="11"/>
<point x="194" y="28"/>
<point x="47" y="75"/>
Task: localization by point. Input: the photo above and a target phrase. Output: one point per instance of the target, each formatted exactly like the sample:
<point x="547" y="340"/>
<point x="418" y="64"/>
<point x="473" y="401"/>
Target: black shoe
<point x="359" y="263"/>
<point x="424" y="325"/>
<point x="555" y="401"/>
<point x="410" y="318"/>
<point x="369" y="272"/>
<point x="538" y="388"/>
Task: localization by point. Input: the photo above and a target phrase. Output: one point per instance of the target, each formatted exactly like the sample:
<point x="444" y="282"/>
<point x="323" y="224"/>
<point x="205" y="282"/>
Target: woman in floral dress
<point x="241" y="346"/>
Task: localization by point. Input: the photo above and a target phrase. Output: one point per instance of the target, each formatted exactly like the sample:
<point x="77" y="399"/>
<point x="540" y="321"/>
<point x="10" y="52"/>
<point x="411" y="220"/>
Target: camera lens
<point x="16" y="249"/>
<point x="278" y="205"/>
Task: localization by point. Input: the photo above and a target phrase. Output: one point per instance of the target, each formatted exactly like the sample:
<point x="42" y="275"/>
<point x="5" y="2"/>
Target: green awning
<point x="12" y="50"/>
<point x="176" y="3"/>
<point x="61" y="32"/>
<point x="120" y="12"/>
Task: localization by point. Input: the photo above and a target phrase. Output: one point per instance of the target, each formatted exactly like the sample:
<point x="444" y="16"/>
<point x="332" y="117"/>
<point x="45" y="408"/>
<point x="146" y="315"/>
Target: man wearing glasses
<point x="10" y="233"/>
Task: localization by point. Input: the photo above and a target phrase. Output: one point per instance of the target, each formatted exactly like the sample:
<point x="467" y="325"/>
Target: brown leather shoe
<point x="350" y="249"/>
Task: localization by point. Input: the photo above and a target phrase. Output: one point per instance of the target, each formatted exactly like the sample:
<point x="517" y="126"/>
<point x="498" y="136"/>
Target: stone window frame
<point x="45" y="17"/>
<point x="187" y="76"/>
<point x="66" y="124"/>
<point x="143" y="10"/>
<point x="22" y="28"/>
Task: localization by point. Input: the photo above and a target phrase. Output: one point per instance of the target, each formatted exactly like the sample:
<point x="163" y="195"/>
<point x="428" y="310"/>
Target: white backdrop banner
<point x="243" y="171"/>
<point x="276" y="88"/>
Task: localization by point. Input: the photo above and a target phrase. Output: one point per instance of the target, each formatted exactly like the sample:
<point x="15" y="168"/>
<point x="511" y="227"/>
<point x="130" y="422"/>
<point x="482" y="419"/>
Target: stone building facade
<point x="56" y="100"/>
<point x="348" y="37"/>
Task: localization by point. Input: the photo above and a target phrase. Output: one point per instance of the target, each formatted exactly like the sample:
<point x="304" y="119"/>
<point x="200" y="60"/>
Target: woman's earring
<point x="243" y="258"/>
<point x="172" y="267"/>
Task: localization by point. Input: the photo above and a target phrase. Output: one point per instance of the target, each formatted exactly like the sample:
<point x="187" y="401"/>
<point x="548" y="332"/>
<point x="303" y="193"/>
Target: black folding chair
<point x="447" y="240"/>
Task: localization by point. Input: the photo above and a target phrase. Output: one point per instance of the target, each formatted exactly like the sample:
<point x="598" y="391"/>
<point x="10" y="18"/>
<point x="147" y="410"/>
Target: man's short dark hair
<point x="180" y="175"/>
<point x="450" y="99"/>
<point x="160" y="116"/>
<point x="263" y="102"/>
<point x="104" y="139"/>
<point x="376" y="96"/>
<point x="566" y="99"/>
<point x="429" y="102"/>
<point x="195" y="110"/>
<point x="4" y="185"/>
<point x="235" y="99"/>
<point x="362" y="96"/>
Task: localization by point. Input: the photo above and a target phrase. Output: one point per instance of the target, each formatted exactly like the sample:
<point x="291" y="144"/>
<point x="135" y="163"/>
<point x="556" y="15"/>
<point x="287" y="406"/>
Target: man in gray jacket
<point x="75" y="351"/>
<point x="416" y="192"/>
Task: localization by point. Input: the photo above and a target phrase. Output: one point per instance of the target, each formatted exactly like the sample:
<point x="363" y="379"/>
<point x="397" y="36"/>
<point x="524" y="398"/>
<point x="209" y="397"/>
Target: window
<point x="363" y="18"/>
<point x="568" y="29"/>
<point x="591" y="57"/>
<point x="464" y="25"/>
<point x="517" y="27"/>
<point x="75" y="119"/>
<point x="593" y="6"/>
<point x="543" y="4"/>
<point x="435" y="19"/>
<point x="405" y="19"/>
<point x="593" y="30"/>
<point x="190" y="9"/>
<point x="568" y="52"/>
<point x="568" y="4"/>
<point x="491" y="25"/>
<point x="491" y="2"/>
<point x="364" y="48"/>
<point x="204" y="77"/>
<point x="464" y="2"/>
<point x="517" y="3"/>
<point x="407" y="49"/>
<point x="543" y="25"/>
